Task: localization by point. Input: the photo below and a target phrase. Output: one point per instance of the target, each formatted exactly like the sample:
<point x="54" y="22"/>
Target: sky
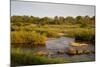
<point x="40" y="9"/>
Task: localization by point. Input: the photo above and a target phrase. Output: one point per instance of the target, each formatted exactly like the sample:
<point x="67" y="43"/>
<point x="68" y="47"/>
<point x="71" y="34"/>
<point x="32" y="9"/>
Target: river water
<point x="53" y="45"/>
<point x="59" y="43"/>
<point x="62" y="43"/>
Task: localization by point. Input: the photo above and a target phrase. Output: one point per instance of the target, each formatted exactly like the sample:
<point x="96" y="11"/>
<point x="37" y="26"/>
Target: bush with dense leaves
<point x="81" y="34"/>
<point x="27" y="39"/>
<point x="19" y="57"/>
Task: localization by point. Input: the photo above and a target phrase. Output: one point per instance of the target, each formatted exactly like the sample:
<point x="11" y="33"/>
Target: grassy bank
<point x="33" y="39"/>
<point x="19" y="57"/>
<point x="36" y="35"/>
<point x="82" y="34"/>
<point x="32" y="32"/>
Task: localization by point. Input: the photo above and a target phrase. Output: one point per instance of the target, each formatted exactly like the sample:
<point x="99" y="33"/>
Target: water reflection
<point x="59" y="43"/>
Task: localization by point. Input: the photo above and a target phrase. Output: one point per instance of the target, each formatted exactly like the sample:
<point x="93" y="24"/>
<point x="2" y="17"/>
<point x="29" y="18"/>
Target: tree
<point x="69" y="20"/>
<point x="61" y="20"/>
<point x="56" y="20"/>
<point x="79" y="19"/>
<point x="44" y="20"/>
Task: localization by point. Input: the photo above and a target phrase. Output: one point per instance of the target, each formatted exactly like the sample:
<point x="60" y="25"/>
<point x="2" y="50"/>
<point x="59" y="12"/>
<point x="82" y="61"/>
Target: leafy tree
<point x="61" y="20"/>
<point x="83" y="20"/>
<point x="69" y="19"/>
<point x="56" y="21"/>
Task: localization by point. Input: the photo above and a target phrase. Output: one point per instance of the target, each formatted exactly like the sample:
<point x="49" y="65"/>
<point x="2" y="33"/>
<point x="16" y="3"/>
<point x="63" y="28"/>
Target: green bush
<point x="52" y="34"/>
<point x="15" y="28"/>
<point x="82" y="34"/>
<point x="27" y="39"/>
<point x="20" y="57"/>
<point x="48" y="33"/>
<point x="22" y="28"/>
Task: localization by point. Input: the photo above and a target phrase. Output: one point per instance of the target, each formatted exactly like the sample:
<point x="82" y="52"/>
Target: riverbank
<point x="19" y="57"/>
<point x="48" y="44"/>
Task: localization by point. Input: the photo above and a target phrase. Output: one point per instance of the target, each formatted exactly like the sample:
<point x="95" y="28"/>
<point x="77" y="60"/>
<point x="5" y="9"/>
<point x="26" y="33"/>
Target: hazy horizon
<point x="40" y="9"/>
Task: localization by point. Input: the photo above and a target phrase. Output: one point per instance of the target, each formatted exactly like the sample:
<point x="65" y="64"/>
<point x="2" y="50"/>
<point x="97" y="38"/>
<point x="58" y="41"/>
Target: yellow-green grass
<point x="28" y="39"/>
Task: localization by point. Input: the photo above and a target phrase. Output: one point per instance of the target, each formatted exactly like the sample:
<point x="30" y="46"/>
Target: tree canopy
<point x="55" y="20"/>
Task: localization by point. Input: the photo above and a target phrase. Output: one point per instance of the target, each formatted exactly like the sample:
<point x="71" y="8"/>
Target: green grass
<point x="35" y="35"/>
<point x="82" y="34"/>
<point x="30" y="35"/>
<point x="33" y="39"/>
<point x="20" y="58"/>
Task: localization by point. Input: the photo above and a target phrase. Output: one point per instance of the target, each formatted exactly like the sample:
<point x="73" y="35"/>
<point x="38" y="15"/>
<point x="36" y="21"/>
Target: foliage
<point x="31" y="38"/>
<point x="21" y="58"/>
<point x="82" y="34"/>
<point x="29" y="32"/>
<point x="56" y="20"/>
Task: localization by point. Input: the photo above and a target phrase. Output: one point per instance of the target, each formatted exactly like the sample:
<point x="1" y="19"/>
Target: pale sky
<point x="50" y="9"/>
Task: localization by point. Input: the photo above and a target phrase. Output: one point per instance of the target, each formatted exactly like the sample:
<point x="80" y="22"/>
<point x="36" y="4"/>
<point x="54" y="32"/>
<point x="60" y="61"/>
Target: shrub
<point x="52" y="34"/>
<point x="49" y="33"/>
<point x="82" y="34"/>
<point x="20" y="57"/>
<point x="27" y="39"/>
<point x="15" y="28"/>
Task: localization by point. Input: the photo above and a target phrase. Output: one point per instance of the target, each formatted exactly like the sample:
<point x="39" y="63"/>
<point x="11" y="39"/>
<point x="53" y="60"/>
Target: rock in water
<point x="78" y="44"/>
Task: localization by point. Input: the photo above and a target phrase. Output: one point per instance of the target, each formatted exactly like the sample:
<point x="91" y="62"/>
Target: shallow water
<point x="58" y="43"/>
<point x="53" y="45"/>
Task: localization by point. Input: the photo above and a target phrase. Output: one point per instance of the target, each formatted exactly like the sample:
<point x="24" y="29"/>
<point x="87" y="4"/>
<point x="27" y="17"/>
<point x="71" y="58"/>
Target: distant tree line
<point x="55" y="20"/>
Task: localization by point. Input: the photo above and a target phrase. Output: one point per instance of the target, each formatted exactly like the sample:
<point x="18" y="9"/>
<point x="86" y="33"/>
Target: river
<point x="62" y="43"/>
<point x="53" y="45"/>
<point x="58" y="43"/>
